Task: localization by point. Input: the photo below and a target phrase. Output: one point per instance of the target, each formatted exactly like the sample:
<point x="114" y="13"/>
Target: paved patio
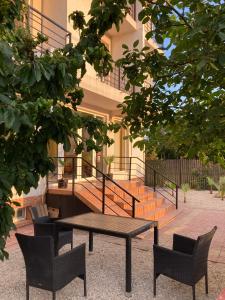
<point x="106" y="267"/>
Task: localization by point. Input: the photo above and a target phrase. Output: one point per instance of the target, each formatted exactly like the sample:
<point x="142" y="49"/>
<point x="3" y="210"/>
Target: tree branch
<point x="179" y="14"/>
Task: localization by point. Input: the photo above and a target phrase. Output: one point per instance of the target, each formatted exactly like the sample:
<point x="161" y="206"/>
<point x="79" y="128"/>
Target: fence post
<point x="73" y="176"/>
<point x="133" y="207"/>
<point x="103" y="194"/>
<point x="176" y="196"/>
<point x="154" y="180"/>
<point x="130" y="162"/>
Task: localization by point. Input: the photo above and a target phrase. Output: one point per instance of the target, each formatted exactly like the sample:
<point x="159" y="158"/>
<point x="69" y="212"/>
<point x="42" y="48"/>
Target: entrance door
<point x="85" y="160"/>
<point x="121" y="150"/>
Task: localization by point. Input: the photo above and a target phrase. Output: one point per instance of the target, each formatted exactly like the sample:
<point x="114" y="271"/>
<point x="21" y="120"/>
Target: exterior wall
<point x="34" y="197"/>
<point x="99" y="97"/>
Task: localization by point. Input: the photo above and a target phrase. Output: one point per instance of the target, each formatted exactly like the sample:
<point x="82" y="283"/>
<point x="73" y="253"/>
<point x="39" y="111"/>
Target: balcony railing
<point x="115" y="79"/>
<point x="133" y="11"/>
<point x="148" y="26"/>
<point x="57" y="35"/>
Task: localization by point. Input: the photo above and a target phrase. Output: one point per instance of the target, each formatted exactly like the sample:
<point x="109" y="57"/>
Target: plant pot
<point x="62" y="183"/>
<point x="110" y="175"/>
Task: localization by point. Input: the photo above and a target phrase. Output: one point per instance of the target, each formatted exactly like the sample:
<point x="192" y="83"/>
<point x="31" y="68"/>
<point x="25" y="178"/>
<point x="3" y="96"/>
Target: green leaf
<point x="135" y="44"/>
<point x="124" y="46"/>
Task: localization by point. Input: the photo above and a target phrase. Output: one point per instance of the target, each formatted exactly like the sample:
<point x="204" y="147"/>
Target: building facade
<point x="101" y="96"/>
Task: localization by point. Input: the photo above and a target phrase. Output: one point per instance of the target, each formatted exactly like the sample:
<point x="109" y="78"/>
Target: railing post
<point x="130" y="163"/>
<point x="69" y="38"/>
<point x="119" y="79"/>
<point x="154" y="180"/>
<point x="103" y="194"/>
<point x="73" y="176"/>
<point x="176" y="196"/>
<point x="133" y="207"/>
<point x="135" y="11"/>
<point x="47" y="181"/>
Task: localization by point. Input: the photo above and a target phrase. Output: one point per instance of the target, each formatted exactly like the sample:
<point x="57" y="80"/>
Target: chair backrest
<point x="38" y="253"/>
<point x="39" y="211"/>
<point x="201" y="249"/>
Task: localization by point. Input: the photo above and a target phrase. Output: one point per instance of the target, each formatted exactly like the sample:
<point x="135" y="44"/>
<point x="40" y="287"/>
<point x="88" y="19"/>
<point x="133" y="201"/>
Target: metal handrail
<point x="155" y="175"/>
<point x="79" y="183"/>
<point x="49" y="19"/>
<point x="58" y="36"/>
<point x="145" y="165"/>
<point x="110" y="179"/>
<point x="104" y="185"/>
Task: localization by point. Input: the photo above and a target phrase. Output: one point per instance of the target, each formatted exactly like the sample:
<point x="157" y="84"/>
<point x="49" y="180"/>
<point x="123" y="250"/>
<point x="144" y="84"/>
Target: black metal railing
<point x="134" y="167"/>
<point x="38" y="22"/>
<point x="78" y="172"/>
<point x="133" y="11"/>
<point x="116" y="79"/>
<point x="148" y="26"/>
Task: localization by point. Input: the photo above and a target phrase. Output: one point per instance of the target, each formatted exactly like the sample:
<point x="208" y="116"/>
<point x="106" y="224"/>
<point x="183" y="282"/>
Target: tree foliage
<point x="39" y="95"/>
<point x="185" y="100"/>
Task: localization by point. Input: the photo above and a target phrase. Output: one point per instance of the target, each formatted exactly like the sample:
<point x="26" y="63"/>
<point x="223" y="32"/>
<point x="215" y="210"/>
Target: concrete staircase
<point x="151" y="206"/>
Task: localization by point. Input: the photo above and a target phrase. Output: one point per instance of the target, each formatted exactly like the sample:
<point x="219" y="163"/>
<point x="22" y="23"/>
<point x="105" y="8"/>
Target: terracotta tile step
<point x="96" y="204"/>
<point x="151" y="213"/>
<point x="169" y="217"/>
<point x="147" y="204"/>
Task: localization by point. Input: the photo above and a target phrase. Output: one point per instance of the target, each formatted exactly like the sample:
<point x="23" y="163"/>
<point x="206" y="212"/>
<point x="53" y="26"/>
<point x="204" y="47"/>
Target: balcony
<point x="57" y="35"/>
<point x="150" y="42"/>
<point x="133" y="11"/>
<point x="116" y="80"/>
<point x="129" y="23"/>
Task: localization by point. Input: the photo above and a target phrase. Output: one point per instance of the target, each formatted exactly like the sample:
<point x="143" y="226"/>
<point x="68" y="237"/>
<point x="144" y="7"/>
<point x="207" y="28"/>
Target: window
<point x="20" y="214"/>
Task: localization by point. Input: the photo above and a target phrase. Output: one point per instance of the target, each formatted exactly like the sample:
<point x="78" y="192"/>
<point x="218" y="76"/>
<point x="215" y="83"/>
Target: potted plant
<point x="171" y="186"/>
<point x="62" y="182"/>
<point x="211" y="183"/>
<point x="185" y="188"/>
<point x="108" y="161"/>
<point x="222" y="187"/>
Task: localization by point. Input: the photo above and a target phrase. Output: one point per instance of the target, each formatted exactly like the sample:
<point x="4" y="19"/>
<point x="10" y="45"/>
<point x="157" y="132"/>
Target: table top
<point x="107" y="224"/>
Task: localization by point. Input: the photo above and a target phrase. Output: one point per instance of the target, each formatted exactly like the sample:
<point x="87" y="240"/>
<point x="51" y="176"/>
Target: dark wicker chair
<point x="44" y="225"/>
<point x="46" y="271"/>
<point x="187" y="262"/>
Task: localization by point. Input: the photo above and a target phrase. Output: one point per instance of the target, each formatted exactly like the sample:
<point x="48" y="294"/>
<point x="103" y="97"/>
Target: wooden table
<point x="121" y="227"/>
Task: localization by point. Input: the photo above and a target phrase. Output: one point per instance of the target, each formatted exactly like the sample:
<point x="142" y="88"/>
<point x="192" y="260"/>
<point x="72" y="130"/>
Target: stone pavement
<point x="105" y="268"/>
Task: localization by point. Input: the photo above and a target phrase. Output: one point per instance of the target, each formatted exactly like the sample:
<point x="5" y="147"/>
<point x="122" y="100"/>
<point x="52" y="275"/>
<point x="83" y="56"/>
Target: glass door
<point x="121" y="150"/>
<point x="85" y="160"/>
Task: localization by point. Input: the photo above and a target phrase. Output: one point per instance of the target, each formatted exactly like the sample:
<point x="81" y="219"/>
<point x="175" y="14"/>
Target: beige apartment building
<point x="101" y="95"/>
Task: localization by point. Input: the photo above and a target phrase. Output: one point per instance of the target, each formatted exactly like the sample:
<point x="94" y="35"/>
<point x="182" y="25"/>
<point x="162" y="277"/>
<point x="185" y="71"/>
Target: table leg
<point x="90" y="241"/>
<point x="128" y="265"/>
<point x="156" y="235"/>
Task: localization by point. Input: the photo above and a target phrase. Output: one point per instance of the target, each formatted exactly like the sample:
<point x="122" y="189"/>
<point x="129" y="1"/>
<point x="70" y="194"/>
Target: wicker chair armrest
<point x="54" y="219"/>
<point x="183" y="244"/>
<point x="68" y="266"/>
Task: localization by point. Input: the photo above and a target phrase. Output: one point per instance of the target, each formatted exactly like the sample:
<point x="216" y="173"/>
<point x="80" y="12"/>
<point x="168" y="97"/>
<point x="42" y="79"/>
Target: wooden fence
<point x="190" y="171"/>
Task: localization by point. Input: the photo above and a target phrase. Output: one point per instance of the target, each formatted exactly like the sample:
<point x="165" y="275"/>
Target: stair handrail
<point x="155" y="172"/>
<point x="104" y="176"/>
<point x="110" y="179"/>
<point x="153" y="169"/>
